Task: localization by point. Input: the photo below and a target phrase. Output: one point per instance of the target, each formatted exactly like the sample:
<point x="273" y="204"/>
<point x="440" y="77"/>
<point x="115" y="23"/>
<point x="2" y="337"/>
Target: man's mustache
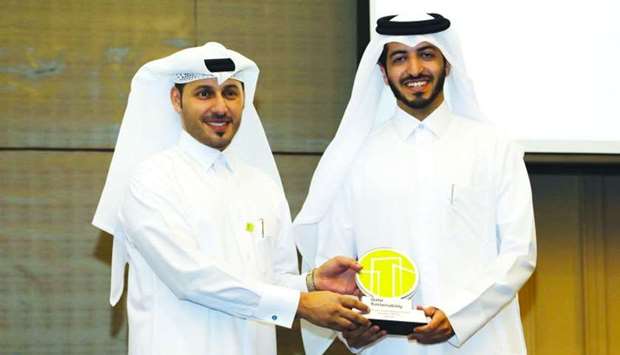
<point x="217" y="117"/>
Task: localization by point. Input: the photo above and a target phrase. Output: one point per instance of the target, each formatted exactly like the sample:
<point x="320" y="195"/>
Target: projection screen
<point x="547" y="71"/>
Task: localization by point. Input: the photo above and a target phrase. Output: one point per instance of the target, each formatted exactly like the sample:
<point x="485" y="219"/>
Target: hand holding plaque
<point x="389" y="279"/>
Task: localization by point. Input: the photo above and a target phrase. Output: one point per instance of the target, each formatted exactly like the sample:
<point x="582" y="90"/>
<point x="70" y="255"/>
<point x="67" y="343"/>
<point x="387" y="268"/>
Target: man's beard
<point x="418" y="102"/>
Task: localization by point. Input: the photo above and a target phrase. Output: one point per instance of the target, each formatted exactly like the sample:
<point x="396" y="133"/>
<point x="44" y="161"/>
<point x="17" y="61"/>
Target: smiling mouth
<point x="217" y="125"/>
<point x="416" y="84"/>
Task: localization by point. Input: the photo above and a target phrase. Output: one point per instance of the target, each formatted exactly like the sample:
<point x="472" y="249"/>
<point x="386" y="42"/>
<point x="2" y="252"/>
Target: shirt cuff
<point x="304" y="286"/>
<point x="299" y="282"/>
<point x="278" y="305"/>
<point x="462" y="320"/>
<point x="455" y="341"/>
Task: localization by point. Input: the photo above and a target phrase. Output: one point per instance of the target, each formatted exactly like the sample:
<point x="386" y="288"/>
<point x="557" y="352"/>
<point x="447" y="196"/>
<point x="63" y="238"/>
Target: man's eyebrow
<point x="428" y="46"/>
<point x="231" y="85"/>
<point x="398" y="51"/>
<point x="202" y="87"/>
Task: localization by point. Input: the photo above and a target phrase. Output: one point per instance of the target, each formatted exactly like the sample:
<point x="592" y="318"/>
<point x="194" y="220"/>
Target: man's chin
<point x="221" y="142"/>
<point x="213" y="140"/>
<point x="219" y="135"/>
<point x="417" y="104"/>
<point x="412" y="101"/>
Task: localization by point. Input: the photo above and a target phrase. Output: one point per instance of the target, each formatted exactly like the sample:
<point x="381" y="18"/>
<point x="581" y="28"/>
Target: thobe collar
<point x="436" y="123"/>
<point x="209" y="158"/>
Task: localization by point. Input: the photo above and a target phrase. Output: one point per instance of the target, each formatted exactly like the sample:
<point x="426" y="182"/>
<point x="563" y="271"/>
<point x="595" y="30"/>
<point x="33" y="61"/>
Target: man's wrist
<point x="301" y="306"/>
<point x="310" y="283"/>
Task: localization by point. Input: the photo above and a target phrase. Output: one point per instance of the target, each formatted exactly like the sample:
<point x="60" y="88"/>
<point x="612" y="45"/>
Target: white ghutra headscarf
<point x="151" y="125"/>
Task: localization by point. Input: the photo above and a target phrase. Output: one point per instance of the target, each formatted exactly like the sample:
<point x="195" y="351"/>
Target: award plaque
<point x="389" y="279"/>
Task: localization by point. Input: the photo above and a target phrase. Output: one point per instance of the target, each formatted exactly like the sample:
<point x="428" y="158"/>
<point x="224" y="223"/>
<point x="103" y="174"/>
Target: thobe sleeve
<point x="471" y="308"/>
<point x="155" y="227"/>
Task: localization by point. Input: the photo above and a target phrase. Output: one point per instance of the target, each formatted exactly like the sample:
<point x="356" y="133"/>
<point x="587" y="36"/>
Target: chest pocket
<point x="264" y="236"/>
<point x="470" y="214"/>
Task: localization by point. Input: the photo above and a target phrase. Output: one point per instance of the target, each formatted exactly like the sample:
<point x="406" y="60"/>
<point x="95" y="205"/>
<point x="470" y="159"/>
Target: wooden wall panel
<point x="612" y="261"/>
<point x="527" y="304"/>
<point x="593" y="264"/>
<point x="296" y="172"/>
<point x="558" y="301"/>
<point x="570" y="306"/>
<point x="54" y="266"/>
<point x="65" y="66"/>
<point x="307" y="55"/>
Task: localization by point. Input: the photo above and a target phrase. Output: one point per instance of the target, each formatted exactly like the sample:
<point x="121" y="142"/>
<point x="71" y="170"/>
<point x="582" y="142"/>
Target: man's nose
<point x="219" y="106"/>
<point x="414" y="66"/>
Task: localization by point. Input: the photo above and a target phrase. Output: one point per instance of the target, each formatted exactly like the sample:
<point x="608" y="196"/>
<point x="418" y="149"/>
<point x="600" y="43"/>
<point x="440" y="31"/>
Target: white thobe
<point x="212" y="265"/>
<point x="455" y="196"/>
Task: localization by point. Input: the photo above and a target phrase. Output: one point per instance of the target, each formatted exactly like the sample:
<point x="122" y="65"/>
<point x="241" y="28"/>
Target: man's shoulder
<point x="378" y="137"/>
<point x="155" y="168"/>
<point x="254" y="174"/>
<point x="481" y="129"/>
<point x="487" y="138"/>
<point x="381" y="130"/>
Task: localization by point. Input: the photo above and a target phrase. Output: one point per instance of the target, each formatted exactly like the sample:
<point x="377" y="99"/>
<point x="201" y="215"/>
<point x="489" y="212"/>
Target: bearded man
<point x="415" y="166"/>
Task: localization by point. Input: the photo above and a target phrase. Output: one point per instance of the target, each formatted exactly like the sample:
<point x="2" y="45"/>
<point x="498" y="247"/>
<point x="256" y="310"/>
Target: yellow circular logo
<point x="387" y="273"/>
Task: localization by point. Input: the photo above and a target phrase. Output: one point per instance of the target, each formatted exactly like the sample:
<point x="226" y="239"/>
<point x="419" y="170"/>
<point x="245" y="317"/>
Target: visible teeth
<point x="216" y="124"/>
<point x="416" y="84"/>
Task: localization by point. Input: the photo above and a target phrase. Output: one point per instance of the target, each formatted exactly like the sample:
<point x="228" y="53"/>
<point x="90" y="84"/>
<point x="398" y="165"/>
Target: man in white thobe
<point x="197" y="210"/>
<point x="415" y="167"/>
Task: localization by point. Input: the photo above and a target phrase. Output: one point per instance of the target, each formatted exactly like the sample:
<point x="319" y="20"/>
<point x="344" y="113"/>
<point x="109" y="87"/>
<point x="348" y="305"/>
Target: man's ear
<point x="383" y="74"/>
<point x="448" y="68"/>
<point x="175" y="98"/>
